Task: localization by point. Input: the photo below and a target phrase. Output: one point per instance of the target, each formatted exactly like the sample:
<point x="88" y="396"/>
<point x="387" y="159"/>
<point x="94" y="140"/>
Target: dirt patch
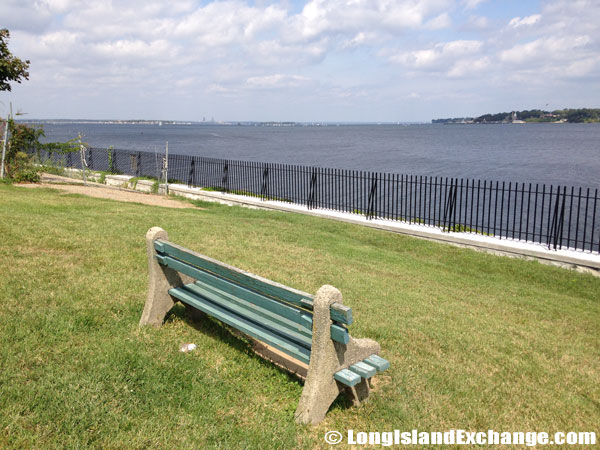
<point x="73" y="186"/>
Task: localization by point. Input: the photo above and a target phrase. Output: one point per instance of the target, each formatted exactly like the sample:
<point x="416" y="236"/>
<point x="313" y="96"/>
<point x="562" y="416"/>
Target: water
<point x="558" y="154"/>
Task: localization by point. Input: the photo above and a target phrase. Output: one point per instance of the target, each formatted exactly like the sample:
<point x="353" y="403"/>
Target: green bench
<point x="305" y="331"/>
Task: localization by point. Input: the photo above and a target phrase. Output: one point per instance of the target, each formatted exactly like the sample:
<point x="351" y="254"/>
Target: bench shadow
<point x="215" y="328"/>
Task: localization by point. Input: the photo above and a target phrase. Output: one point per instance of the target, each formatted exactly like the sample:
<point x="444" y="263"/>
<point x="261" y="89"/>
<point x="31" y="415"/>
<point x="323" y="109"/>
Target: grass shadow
<point x="214" y="328"/>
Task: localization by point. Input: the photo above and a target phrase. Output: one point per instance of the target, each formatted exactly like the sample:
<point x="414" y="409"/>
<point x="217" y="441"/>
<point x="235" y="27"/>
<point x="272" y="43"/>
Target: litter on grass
<point x="187" y="348"/>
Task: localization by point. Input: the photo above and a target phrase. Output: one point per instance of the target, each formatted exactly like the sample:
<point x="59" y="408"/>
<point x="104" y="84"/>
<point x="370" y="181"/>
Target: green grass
<point x="476" y="341"/>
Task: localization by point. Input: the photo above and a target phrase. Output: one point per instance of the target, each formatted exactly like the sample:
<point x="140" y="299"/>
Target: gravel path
<point x="73" y="186"/>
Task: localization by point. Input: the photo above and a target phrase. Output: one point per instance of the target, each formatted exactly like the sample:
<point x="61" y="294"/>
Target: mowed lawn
<point x="476" y="341"/>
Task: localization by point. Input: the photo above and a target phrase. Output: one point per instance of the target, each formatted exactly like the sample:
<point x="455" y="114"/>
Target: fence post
<point x="83" y="161"/>
<point x="313" y="186"/>
<point x="560" y="219"/>
<point x="166" y="168"/>
<point x="191" y="174"/>
<point x="265" y="177"/>
<point x="372" y="195"/>
<point x="449" y="206"/>
<point x="91" y="160"/>
<point x="225" y="179"/>
<point x="559" y="234"/>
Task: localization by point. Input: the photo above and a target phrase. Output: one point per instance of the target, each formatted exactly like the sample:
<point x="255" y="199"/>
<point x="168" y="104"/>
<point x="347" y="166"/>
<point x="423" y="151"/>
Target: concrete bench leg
<point x="359" y="393"/>
<point x="161" y="279"/>
<point x="327" y="357"/>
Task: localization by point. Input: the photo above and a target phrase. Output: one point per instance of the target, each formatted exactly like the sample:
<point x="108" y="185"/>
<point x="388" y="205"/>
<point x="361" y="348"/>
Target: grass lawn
<point x="476" y="341"/>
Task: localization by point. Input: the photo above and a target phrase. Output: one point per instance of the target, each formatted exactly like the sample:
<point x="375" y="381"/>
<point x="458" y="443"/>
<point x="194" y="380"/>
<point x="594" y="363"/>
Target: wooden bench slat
<point x="252" y="315"/>
<point x="254" y="307"/>
<point x="338" y="332"/>
<point x="378" y="362"/>
<point x="240" y="323"/>
<point x="285" y="310"/>
<point x="347" y="377"/>
<point x="302" y="318"/>
<point x="234" y="274"/>
<point x="340" y="313"/>
<point x="362" y="369"/>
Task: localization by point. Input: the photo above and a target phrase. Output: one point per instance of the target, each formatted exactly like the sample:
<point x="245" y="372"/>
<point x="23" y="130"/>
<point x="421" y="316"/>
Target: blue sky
<point x="319" y="60"/>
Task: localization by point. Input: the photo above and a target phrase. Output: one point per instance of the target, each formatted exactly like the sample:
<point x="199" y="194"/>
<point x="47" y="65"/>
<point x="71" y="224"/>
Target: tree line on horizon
<point x="579" y="115"/>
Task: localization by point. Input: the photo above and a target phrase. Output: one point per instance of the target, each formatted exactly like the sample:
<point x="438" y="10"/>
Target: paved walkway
<point x="98" y="190"/>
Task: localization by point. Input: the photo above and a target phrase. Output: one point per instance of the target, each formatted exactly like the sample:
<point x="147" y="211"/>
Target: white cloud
<point x="353" y="16"/>
<point x="545" y="49"/>
<point x="469" y="67"/>
<point x="222" y="23"/>
<point x="477" y="23"/>
<point x="439" y="22"/>
<point x="440" y="56"/>
<point x="361" y="38"/>
<point x="455" y="59"/>
<point x="472" y="4"/>
<point x="25" y="15"/>
<point x="57" y="6"/>
<point x="336" y="49"/>
<point x="277" y="81"/>
<point x="517" y="22"/>
<point x="274" y="52"/>
<point x="135" y="49"/>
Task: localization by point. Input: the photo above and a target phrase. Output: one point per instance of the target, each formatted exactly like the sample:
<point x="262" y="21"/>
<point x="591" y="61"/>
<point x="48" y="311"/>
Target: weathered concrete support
<point x="359" y="393"/>
<point x="327" y="357"/>
<point x="161" y="279"/>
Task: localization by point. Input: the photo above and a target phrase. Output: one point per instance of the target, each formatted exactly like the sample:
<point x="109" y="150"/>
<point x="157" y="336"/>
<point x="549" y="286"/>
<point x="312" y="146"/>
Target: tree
<point x="11" y="67"/>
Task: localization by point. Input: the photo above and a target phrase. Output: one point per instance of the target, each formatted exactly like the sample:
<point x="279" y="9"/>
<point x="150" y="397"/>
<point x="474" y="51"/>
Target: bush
<point x="23" y="152"/>
<point x="26" y="175"/>
<point x="23" y="170"/>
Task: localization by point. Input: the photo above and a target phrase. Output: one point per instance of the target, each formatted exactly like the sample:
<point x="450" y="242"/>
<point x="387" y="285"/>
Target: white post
<point x="167" y="169"/>
<point x="4" y="148"/>
<point x="4" y="142"/>
<point x="83" y="161"/>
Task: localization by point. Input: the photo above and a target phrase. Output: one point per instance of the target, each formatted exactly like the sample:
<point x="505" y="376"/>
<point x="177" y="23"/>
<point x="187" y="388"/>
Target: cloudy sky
<point x="319" y="60"/>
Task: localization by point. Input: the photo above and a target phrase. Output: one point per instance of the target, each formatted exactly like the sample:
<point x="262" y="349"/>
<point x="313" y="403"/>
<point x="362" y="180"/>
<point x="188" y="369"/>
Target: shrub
<point x="26" y="175"/>
<point x="23" y="152"/>
<point x="22" y="169"/>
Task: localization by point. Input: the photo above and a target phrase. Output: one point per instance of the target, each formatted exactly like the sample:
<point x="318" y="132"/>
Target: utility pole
<point x="4" y="142"/>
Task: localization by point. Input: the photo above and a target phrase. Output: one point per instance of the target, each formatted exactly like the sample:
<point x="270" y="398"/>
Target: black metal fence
<point x="556" y="216"/>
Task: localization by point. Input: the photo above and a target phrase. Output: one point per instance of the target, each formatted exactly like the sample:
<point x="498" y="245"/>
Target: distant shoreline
<point x="581" y="115"/>
<point x="211" y="123"/>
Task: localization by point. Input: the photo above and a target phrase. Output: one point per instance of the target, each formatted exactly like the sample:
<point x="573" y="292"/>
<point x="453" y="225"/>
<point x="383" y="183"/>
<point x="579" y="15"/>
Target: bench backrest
<point x="282" y="310"/>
